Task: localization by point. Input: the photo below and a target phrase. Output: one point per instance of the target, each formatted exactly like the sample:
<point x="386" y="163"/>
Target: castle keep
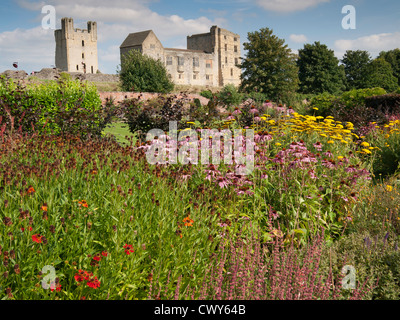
<point x="210" y="58"/>
<point x="76" y="49"/>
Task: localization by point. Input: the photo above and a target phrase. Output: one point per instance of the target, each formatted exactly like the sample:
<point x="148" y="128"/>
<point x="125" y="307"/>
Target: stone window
<point x="181" y="76"/>
<point x="152" y="46"/>
<point x="195" y="76"/>
<point x="225" y="37"/>
<point x="235" y="49"/>
<point x="226" y="47"/>
<point x="181" y="61"/>
<point x="208" y="63"/>
<point x="83" y="43"/>
<point x="231" y="72"/>
<point x="207" y="77"/>
<point x="83" y="56"/>
<point x="169" y="61"/>
<point x="236" y="61"/>
<point x="196" y="62"/>
<point x="234" y="39"/>
<point x="77" y="67"/>
<point x="226" y="59"/>
<point x="92" y="69"/>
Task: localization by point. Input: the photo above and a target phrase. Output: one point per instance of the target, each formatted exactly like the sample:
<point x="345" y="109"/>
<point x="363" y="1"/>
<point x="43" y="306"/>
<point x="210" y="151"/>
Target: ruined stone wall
<point x="76" y="49"/>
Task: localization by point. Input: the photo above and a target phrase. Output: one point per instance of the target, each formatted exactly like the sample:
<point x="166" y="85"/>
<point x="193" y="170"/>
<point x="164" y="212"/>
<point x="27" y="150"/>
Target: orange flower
<point x="44" y="207"/>
<point x="188" y="222"/>
<point x="31" y="190"/>
<point x="83" y="203"/>
<point x="37" y="238"/>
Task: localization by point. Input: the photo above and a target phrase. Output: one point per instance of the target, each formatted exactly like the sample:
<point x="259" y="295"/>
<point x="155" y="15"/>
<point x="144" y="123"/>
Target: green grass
<point x="120" y="130"/>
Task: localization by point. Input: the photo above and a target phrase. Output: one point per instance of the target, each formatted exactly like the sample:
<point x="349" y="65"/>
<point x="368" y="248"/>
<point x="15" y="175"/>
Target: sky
<point x="24" y="40"/>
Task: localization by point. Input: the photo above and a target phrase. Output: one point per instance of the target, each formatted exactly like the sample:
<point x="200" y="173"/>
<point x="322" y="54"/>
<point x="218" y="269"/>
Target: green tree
<point x="319" y="70"/>
<point x="380" y="74"/>
<point x="269" y="67"/>
<point x="393" y="57"/>
<point x="142" y="73"/>
<point x="355" y="67"/>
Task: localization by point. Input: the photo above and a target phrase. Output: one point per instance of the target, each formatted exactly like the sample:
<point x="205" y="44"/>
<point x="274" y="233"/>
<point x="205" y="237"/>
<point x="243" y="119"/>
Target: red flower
<point x="29" y="228"/>
<point x="31" y="190"/>
<point x="58" y="288"/>
<point x="37" y="238"/>
<point x="97" y="257"/>
<point x="128" y="249"/>
<point x="105" y="253"/>
<point x="93" y="283"/>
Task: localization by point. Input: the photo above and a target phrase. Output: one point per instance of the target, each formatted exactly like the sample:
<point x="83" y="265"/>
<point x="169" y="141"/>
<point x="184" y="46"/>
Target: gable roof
<point x="135" y="39"/>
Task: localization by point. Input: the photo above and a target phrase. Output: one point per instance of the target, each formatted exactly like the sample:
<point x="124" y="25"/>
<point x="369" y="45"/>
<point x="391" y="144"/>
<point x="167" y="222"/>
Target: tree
<point x="355" y="67"/>
<point x="269" y="66"/>
<point x="393" y="57"/>
<point x="380" y="74"/>
<point x="140" y="72"/>
<point x="319" y="70"/>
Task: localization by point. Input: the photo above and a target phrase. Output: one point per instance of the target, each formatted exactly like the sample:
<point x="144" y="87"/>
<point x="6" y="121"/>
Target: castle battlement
<point x="76" y="49"/>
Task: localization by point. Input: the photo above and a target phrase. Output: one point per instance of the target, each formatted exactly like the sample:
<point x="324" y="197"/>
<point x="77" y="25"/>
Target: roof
<point x="135" y="39"/>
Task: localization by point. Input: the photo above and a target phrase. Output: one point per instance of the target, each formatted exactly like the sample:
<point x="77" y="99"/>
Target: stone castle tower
<point x="76" y="49"/>
<point x="211" y="59"/>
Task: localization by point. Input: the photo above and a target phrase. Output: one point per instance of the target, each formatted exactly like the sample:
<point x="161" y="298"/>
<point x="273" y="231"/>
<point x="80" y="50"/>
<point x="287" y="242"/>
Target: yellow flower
<point x="389" y="188"/>
<point x="330" y="141"/>
<point x="365" y="144"/>
<point x="278" y="144"/>
<point x="340" y="157"/>
<point x="315" y="108"/>
<point x="366" y="151"/>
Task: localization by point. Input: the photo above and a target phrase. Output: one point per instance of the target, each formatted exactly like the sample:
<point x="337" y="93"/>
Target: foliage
<point x="207" y="94"/>
<point x="355" y="66"/>
<point x="229" y="96"/>
<point x="56" y="107"/>
<point x="355" y="97"/>
<point x="380" y="74"/>
<point x="142" y="73"/>
<point x="269" y="66"/>
<point x="319" y="70"/>
<point x="392" y="57"/>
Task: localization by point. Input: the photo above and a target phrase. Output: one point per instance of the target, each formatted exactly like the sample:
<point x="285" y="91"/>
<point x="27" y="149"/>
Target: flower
<point x="128" y="249"/>
<point x="57" y="288"/>
<point x="104" y="253"/>
<point x="389" y="188"/>
<point x="83" y="203"/>
<point x="93" y="283"/>
<point x="31" y="190"/>
<point x="44" y="207"/>
<point x="37" y="238"/>
<point x="188" y="222"/>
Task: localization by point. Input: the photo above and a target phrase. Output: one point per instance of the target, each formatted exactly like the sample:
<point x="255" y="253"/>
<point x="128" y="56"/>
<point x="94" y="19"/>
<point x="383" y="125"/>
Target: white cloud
<point x="286" y="6"/>
<point x="298" y="38"/>
<point x="374" y="43"/>
<point x="115" y="20"/>
<point x="33" y="49"/>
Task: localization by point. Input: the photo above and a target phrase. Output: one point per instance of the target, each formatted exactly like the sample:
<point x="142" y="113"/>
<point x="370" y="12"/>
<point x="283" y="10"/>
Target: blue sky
<point x="23" y="40"/>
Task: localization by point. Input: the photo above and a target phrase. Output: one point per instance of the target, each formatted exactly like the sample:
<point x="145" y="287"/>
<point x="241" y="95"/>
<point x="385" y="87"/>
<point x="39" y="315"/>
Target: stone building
<point x="210" y="58"/>
<point x="76" y="49"/>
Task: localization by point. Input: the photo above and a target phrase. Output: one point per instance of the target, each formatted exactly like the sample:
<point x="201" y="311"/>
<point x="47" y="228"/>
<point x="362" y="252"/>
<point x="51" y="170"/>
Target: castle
<point x="210" y="58"/>
<point x="76" y="49"/>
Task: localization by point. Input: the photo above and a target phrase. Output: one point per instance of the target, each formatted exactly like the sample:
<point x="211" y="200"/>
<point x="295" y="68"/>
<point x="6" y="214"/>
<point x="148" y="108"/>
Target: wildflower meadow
<point x="87" y="217"/>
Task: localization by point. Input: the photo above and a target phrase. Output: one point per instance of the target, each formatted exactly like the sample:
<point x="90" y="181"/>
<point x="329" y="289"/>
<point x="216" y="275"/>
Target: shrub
<point x="56" y="107"/>
<point x="143" y="74"/>
<point x="358" y="96"/>
<point x="321" y="105"/>
<point x="229" y="96"/>
<point x="388" y="103"/>
<point x="153" y="114"/>
<point x="207" y="94"/>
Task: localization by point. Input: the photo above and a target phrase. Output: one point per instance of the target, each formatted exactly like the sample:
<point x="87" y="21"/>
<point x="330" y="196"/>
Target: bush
<point x="388" y="103"/>
<point x="207" y="94"/>
<point x="358" y="97"/>
<point x="229" y="96"/>
<point x="321" y="105"/>
<point x="153" y="114"/>
<point x="57" y="107"/>
<point x="142" y="73"/>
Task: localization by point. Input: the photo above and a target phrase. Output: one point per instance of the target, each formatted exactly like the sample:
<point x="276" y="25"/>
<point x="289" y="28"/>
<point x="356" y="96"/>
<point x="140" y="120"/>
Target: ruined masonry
<point x="76" y="49"/>
<point x="210" y="58"/>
